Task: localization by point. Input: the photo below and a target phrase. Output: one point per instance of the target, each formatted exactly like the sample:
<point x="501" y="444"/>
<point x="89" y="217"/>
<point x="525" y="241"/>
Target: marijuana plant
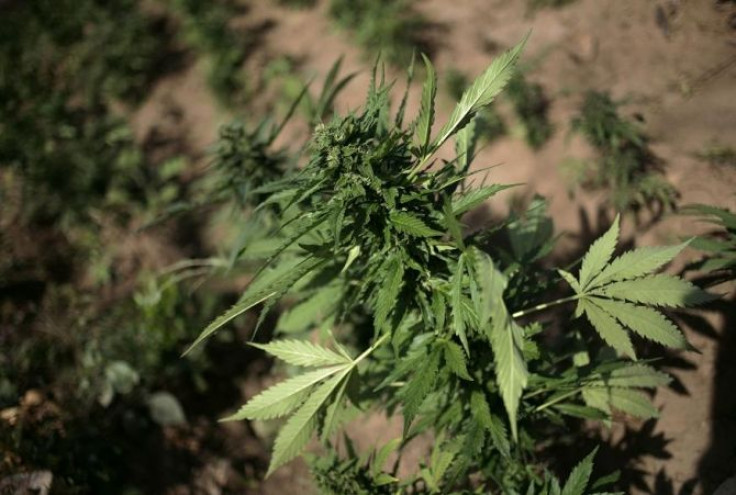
<point x="415" y="314"/>
<point x="626" y="167"/>
<point x="531" y="105"/>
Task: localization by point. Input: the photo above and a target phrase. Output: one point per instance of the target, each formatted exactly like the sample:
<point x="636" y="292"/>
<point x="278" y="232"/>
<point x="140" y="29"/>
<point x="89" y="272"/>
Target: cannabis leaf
<point x="475" y="197"/>
<point x="302" y="353"/>
<point x="412" y="225"/>
<point x="306" y="394"/>
<point x="481" y="93"/>
<point x="505" y="335"/>
<point x="578" y="480"/>
<point x="259" y="291"/>
<point x="618" y="294"/>
<point x="423" y="126"/>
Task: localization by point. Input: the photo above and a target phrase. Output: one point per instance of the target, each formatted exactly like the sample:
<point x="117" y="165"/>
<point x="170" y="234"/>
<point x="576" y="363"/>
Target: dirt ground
<point x="673" y="61"/>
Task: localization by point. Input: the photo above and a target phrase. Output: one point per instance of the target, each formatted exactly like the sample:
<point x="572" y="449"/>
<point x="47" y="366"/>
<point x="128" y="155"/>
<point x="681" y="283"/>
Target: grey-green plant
<point x="625" y="166"/>
<point x="397" y="307"/>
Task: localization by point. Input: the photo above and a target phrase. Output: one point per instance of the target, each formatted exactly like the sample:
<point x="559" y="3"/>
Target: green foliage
<point x="720" y="246"/>
<point x="489" y="124"/>
<point x="617" y="293"/>
<point x="626" y="167"/>
<point x="50" y="47"/>
<point x="531" y="106"/>
<point x="205" y="27"/>
<point x="370" y="249"/>
<point x="389" y="27"/>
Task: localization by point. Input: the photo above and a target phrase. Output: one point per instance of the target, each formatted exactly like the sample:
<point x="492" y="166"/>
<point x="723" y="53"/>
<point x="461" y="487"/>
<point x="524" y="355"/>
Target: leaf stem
<point x="372" y="348"/>
<point x="558" y="399"/>
<point x="543" y="306"/>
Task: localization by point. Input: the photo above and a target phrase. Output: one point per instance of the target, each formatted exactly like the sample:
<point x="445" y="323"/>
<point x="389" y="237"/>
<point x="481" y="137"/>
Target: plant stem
<point x="558" y="399"/>
<point x="543" y="306"/>
<point x="372" y="348"/>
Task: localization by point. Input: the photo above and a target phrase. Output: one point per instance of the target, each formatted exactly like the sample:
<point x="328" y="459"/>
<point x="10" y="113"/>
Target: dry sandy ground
<point x="678" y="73"/>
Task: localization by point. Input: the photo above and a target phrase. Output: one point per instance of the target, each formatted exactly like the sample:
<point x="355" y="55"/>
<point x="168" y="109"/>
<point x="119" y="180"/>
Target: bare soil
<point x="673" y="61"/>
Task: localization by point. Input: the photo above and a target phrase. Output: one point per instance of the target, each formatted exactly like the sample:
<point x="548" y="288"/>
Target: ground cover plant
<point x="390" y="28"/>
<point x="625" y="167"/>
<point x="397" y="307"/>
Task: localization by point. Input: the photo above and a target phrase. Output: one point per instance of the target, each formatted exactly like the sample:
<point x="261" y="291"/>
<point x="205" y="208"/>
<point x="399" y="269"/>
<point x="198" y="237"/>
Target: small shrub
<point x="626" y="167"/>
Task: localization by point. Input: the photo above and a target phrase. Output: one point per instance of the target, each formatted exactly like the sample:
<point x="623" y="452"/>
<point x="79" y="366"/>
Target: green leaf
<point x="637" y="375"/>
<point x="475" y="197"/>
<point x="632" y="402"/>
<point x="332" y="417"/>
<point x="489" y="290"/>
<point x="310" y="311"/>
<point x="580" y="476"/>
<point x="456" y="300"/>
<point x="257" y="293"/>
<point x="388" y="292"/>
<point x="599" y="255"/>
<point x="299" y="428"/>
<point x="426" y="111"/>
<point x="283" y="397"/>
<point x="481" y="411"/>
<point x="647" y="322"/>
<point x="608" y="328"/>
<point x="626" y="400"/>
<point x="481" y="93"/>
<point x="598" y="398"/>
<point x="455" y="359"/>
<point x="302" y="353"/>
<point x="409" y="224"/>
<point x="637" y="263"/>
<point x="465" y="142"/>
<point x="452" y="224"/>
<point x="660" y="290"/>
<point x="511" y="372"/>
<point x="578" y="411"/>
<point x="352" y="256"/>
<point x="419" y="386"/>
<point x="570" y="279"/>
<point x="382" y="455"/>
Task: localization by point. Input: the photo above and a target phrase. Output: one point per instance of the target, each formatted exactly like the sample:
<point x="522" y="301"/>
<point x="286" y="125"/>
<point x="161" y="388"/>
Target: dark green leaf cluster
<point x="626" y="166"/>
